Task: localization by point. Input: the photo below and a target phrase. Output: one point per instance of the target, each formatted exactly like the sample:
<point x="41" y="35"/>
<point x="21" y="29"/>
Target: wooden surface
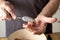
<point x="53" y="36"/>
<point x="3" y="38"/>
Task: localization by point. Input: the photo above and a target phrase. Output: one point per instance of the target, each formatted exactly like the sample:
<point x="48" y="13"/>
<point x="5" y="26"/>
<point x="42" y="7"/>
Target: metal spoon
<point x="25" y="18"/>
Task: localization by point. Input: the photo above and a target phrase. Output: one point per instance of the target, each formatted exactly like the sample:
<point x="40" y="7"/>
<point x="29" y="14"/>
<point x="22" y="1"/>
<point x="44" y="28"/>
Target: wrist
<point x="39" y="17"/>
<point x="46" y="14"/>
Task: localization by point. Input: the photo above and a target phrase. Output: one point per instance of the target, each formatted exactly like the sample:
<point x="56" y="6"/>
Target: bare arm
<point x="50" y="8"/>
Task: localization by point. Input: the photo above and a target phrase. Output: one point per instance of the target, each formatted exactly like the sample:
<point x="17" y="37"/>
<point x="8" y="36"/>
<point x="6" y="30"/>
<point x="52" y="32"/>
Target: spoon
<point x="25" y="18"/>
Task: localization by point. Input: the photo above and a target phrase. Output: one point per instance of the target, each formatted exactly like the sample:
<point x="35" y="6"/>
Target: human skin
<point x="39" y="24"/>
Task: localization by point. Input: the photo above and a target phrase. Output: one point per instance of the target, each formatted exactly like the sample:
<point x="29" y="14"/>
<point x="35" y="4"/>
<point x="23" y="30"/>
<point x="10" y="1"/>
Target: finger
<point x="43" y="24"/>
<point x="10" y="9"/>
<point x="29" y="24"/>
<point x="7" y="16"/>
<point x="29" y="27"/>
<point x="40" y="28"/>
<point x="49" y="20"/>
<point x="24" y="25"/>
<point x="33" y="24"/>
<point x="33" y="30"/>
<point x="38" y="32"/>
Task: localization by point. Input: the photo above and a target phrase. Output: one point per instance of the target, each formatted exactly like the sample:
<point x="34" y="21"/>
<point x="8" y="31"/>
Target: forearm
<point x="50" y="8"/>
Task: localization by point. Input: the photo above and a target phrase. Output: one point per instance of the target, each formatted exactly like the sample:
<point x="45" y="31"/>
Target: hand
<point x="6" y="11"/>
<point x="38" y="26"/>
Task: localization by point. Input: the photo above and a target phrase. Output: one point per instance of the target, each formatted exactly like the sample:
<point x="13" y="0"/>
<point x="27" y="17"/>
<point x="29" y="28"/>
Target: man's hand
<point x="6" y="11"/>
<point x="39" y="24"/>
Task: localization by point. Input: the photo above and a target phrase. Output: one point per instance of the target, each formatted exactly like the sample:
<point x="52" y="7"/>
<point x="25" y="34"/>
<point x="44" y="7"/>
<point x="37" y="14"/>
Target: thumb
<point x="50" y="20"/>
